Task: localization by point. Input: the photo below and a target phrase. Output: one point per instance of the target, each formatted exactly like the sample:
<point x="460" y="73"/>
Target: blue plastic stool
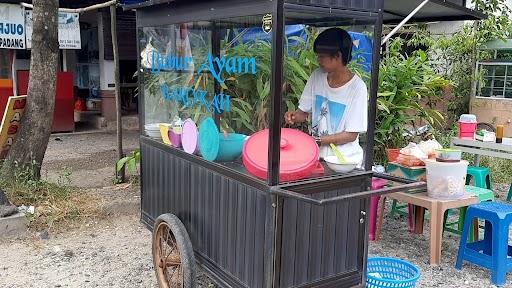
<point x="492" y="251"/>
<point x="481" y="175"/>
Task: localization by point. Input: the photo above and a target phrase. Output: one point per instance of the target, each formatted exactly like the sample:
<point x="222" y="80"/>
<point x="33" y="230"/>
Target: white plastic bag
<point x="413" y="150"/>
<point x="429" y="147"/>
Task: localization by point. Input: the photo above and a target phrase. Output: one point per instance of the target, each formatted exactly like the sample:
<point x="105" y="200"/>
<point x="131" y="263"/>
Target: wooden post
<point x="120" y="176"/>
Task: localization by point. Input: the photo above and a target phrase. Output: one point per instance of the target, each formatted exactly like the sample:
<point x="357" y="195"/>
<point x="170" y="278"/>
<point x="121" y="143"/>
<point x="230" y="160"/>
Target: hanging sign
<point x="12" y="27"/>
<point x="11" y="122"/>
<point x="69" y="30"/>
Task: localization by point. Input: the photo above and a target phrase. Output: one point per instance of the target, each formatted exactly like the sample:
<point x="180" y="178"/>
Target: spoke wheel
<point x="173" y="257"/>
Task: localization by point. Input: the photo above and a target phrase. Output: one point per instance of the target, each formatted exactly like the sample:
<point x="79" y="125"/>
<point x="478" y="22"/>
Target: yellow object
<point x="5" y="83"/>
<point x="499" y="133"/>
<point x="338" y="154"/>
<point x="11" y="122"/>
<point x="164" y="131"/>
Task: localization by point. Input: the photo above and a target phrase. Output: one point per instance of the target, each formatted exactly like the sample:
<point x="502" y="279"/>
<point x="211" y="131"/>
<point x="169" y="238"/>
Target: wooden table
<point x="480" y="148"/>
<point x="437" y="208"/>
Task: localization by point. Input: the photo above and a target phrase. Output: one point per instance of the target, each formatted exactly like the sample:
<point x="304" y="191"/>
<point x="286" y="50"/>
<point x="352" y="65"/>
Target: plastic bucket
<point x="446" y="180"/>
<point x="467" y="130"/>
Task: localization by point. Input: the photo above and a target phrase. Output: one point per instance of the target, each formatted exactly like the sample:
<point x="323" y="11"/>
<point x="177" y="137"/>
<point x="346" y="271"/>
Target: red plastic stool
<point x="377" y="183"/>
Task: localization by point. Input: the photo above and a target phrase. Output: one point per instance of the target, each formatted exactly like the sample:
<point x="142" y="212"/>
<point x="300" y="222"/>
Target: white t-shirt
<point x="335" y="110"/>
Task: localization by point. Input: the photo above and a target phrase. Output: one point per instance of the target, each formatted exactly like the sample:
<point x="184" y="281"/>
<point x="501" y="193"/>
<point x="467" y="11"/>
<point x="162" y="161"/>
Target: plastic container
<point x="499" y="133"/>
<point x="467" y="126"/>
<point x="409" y="160"/>
<point x="230" y="148"/>
<point x="153" y="130"/>
<point x="190" y="137"/>
<point x="164" y="132"/>
<point x="299" y="155"/>
<point x="175" y="137"/>
<point x="209" y="140"/>
<point x="334" y="164"/>
<point x="386" y="272"/>
<point x="449" y="155"/>
<point x="446" y="180"/>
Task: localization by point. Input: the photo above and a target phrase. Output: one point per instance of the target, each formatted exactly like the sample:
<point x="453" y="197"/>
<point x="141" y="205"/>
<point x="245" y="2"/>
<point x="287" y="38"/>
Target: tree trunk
<point x="29" y="147"/>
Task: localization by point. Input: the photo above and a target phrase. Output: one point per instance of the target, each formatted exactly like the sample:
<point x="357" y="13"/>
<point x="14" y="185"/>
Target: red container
<point x="467" y="130"/>
<point x="392" y="154"/>
<point x="299" y="155"/>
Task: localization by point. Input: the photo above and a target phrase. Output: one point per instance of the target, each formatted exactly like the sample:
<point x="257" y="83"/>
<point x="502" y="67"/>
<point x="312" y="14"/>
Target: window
<point x="496" y="80"/>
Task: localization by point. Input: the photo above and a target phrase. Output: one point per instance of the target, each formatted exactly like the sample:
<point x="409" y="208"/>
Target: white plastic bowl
<point x="152" y="127"/>
<point x="333" y="163"/>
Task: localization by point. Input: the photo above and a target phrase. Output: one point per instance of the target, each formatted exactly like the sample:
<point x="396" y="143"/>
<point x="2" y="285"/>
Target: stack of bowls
<point x="153" y="130"/>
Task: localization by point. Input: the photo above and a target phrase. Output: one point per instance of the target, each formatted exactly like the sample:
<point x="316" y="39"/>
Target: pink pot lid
<point x="189" y="136"/>
<point x="299" y="154"/>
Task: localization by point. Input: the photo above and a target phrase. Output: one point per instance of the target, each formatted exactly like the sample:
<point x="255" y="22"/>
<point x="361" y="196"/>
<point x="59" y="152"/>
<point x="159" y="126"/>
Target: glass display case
<point x="221" y="70"/>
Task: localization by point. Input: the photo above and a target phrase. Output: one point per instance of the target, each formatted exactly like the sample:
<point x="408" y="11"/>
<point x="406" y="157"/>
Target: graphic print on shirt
<point x="328" y="116"/>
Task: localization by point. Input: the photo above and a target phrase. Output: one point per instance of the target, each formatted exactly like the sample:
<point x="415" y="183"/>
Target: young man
<point x="335" y="98"/>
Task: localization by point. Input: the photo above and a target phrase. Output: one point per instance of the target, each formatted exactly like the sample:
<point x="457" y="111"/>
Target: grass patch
<point x="58" y="205"/>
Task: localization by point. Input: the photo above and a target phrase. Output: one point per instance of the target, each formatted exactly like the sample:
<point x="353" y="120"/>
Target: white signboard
<point x="69" y="30"/>
<point x="12" y="27"/>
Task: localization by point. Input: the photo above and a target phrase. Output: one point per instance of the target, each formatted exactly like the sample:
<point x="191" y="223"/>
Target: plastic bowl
<point x="333" y="163"/>
<point x="175" y="138"/>
<point x="449" y="154"/>
<point x="164" y="133"/>
<point x="230" y="148"/>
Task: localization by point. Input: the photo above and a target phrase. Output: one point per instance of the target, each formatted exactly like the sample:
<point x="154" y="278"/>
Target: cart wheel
<point x="173" y="256"/>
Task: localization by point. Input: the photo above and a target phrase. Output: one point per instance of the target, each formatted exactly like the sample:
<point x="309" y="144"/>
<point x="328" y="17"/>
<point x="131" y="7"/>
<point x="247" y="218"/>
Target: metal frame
<point x="330" y="190"/>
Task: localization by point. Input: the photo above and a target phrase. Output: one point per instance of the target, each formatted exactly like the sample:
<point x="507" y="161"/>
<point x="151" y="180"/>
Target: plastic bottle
<point x="499" y="133"/>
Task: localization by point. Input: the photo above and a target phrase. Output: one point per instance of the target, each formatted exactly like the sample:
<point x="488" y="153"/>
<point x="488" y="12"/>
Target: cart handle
<point x="416" y="187"/>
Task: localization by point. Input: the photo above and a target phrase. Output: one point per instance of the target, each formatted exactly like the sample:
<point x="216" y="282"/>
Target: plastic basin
<point x="333" y="163"/>
<point x="230" y="147"/>
<point x="175" y="138"/>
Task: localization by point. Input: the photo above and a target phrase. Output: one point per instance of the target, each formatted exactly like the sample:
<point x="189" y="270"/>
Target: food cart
<point x="226" y="184"/>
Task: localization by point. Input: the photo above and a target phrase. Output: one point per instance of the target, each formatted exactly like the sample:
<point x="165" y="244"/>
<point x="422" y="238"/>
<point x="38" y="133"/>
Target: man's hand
<point x="295" y="117"/>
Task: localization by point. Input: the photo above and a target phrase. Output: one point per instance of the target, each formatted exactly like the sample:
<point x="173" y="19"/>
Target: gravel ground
<point x="90" y="157"/>
<point x="112" y="253"/>
<point x="116" y="252"/>
<point x="397" y="242"/>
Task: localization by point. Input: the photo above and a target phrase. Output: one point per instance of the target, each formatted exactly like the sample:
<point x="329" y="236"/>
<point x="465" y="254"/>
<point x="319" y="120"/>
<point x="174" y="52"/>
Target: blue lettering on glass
<point x="170" y="62"/>
<point x="188" y="97"/>
<point x="216" y="66"/>
<point x="231" y="65"/>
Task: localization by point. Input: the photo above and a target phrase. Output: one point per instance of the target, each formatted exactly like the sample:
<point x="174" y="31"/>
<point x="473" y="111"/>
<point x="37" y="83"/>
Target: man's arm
<point x="339" y="138"/>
